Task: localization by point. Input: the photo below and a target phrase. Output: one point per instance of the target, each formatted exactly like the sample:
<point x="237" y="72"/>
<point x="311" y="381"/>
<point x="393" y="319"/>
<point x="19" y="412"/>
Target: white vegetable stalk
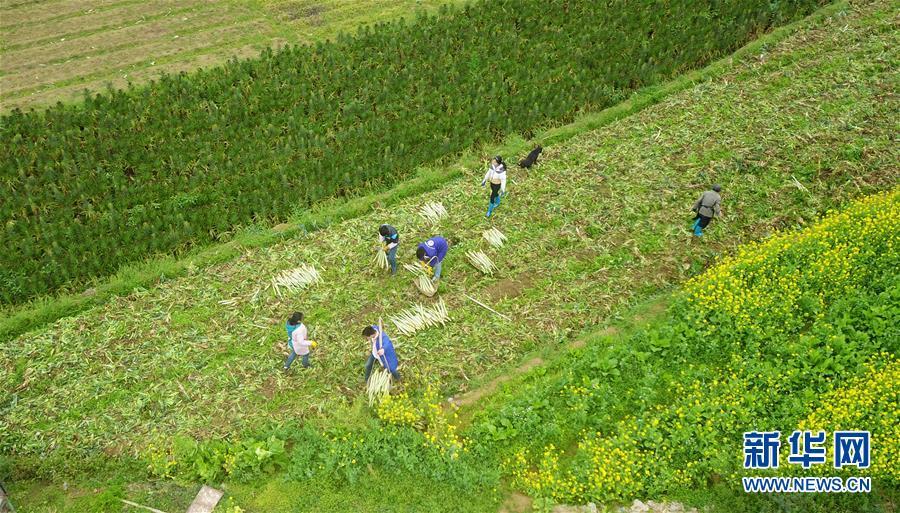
<point x="419" y="317"/>
<point x="297" y="279"/>
<point x="381" y="260"/>
<point x="481" y="262"/>
<point x="379" y="385"/>
<point x="425" y="285"/>
<point x="433" y="212"/>
<point x="494" y="237"/>
<point x="418" y="270"/>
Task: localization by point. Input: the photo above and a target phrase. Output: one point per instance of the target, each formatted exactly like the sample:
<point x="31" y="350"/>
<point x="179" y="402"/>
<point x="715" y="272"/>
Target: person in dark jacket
<point x="432" y="253"/>
<point x="391" y="240"/>
<point x="706" y="208"/>
<point x="382" y="350"/>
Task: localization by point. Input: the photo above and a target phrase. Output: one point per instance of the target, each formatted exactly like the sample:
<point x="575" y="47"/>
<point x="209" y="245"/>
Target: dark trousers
<point x="495" y="191"/>
<point x="371" y="363"/>
<point x="700" y="222"/>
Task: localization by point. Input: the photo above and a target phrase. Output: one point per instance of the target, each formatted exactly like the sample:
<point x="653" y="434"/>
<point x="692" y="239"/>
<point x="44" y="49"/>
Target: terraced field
<point x="602" y="221"/>
<point x="52" y="50"/>
<point x="801" y="124"/>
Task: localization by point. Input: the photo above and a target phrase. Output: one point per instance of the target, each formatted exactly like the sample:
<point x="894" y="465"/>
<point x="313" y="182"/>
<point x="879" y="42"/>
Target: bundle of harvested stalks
<point x="494" y="237"/>
<point x="425" y="285"/>
<point x="295" y="279"/>
<point x="418" y="270"/>
<point x="481" y="262"/>
<point x="418" y="317"/>
<point x="379" y="385"/>
<point x="433" y="212"/>
<point x="381" y="260"/>
<point x="423" y="281"/>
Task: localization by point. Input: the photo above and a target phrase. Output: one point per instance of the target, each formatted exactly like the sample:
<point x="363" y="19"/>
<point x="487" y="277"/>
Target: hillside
<point x="601" y="223"/>
<point x="198" y="156"/>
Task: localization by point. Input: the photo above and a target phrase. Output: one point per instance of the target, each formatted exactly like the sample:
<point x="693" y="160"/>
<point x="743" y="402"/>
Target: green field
<point x="52" y="50"/>
<point x="791" y="129"/>
<point x="198" y="156"/>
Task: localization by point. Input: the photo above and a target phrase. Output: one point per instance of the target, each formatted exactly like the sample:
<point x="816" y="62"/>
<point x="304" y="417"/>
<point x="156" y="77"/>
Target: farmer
<point x="431" y="254"/>
<point x="298" y="344"/>
<point x="707" y="207"/>
<point x="496" y="174"/>
<point x="382" y="350"/>
<point x="391" y="239"/>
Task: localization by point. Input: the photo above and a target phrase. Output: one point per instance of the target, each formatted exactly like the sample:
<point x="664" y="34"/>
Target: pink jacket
<point x="299" y="341"/>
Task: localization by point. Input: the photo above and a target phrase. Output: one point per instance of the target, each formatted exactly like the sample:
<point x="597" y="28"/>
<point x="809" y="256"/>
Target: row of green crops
<point x="798" y="332"/>
<point x="155" y="169"/>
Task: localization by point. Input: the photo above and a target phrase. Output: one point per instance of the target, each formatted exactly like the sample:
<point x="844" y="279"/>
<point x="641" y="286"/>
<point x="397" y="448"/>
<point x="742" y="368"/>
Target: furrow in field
<point x="117" y="25"/>
<point x="46" y="12"/>
<point x="139" y="74"/>
<point x="69" y="50"/>
<point x="122" y="60"/>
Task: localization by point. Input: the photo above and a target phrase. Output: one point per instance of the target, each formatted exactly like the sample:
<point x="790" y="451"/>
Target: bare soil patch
<point x="294" y="11"/>
<point x="474" y="396"/>
<point x="509" y="288"/>
<point x="516" y="503"/>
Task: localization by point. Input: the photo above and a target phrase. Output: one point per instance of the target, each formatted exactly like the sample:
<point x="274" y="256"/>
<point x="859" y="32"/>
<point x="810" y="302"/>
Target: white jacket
<point x="496" y="174"/>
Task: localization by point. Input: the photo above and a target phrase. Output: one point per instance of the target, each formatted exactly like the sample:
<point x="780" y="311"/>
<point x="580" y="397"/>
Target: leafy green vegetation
<point x="193" y="157"/>
<point x="665" y="409"/>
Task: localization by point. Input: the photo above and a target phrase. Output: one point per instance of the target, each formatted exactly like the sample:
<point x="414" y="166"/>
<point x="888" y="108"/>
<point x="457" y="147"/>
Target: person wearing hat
<point x="707" y="207"/>
<point x="431" y="253"/>
<point x="391" y="239"/>
<point x="496" y="175"/>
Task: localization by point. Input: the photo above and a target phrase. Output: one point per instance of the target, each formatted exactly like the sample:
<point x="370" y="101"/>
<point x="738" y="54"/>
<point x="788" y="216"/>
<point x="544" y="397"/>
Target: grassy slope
<point x="52" y="51"/>
<point x="751" y="130"/>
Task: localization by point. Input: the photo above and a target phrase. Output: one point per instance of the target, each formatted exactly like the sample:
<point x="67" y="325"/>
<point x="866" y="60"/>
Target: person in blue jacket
<point x="432" y="253"/>
<point x="382" y="350"/>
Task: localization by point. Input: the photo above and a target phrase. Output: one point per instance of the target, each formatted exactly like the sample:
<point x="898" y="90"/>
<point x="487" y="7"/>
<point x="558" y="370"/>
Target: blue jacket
<point x="435" y="249"/>
<point x="389" y="358"/>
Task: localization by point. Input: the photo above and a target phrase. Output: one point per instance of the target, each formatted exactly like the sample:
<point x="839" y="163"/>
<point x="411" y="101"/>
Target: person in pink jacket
<point x="298" y="341"/>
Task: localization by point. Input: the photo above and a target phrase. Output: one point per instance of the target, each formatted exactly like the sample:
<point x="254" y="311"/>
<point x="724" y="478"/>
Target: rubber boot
<point x="490" y="209"/>
<point x="698" y="231"/>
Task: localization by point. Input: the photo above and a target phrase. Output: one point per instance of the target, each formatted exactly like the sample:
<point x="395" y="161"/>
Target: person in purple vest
<point x="432" y="253"/>
<point x="382" y="351"/>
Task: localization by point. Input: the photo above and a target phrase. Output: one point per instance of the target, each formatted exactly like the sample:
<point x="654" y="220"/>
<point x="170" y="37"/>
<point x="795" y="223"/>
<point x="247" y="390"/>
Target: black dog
<point x="532" y="157"/>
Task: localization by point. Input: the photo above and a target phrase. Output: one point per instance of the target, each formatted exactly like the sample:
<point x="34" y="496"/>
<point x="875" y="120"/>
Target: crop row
<point x="133" y="173"/>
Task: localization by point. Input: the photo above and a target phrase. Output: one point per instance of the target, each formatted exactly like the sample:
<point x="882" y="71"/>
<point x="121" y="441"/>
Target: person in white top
<point x="496" y="175"/>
